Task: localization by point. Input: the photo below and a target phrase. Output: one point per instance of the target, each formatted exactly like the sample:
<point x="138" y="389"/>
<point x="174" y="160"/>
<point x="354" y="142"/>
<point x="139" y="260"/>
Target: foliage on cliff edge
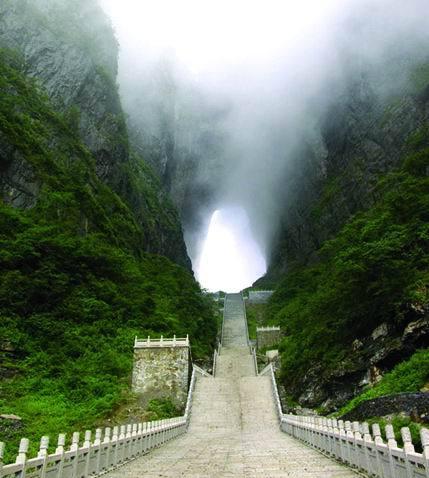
<point x="374" y="271"/>
<point x="75" y="284"/>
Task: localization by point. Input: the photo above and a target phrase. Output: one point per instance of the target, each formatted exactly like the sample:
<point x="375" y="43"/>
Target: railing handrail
<point x="161" y="342"/>
<point x="245" y="319"/>
<point x="101" y="452"/>
<point x="354" y="444"/>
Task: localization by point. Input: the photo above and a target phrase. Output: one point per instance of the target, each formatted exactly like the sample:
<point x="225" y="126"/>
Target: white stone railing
<point x="355" y="445"/>
<point x="216" y="354"/>
<point x="162" y="342"/>
<point x="255" y="360"/>
<point x="97" y="454"/>
<point x="267" y="329"/>
<point x="245" y="321"/>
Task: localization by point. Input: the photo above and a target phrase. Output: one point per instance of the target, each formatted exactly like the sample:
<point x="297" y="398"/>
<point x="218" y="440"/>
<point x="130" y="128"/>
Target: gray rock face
<point x="362" y="136"/>
<point x="71" y="75"/>
<point x="69" y="48"/>
<point x="415" y="405"/>
<point x="365" y="365"/>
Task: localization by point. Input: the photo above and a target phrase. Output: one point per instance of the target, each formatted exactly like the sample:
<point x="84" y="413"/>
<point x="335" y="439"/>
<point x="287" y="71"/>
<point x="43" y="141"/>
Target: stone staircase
<point x="234" y="430"/>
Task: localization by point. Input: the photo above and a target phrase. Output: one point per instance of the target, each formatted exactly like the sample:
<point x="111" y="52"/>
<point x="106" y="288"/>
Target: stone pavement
<point x="234" y="430"/>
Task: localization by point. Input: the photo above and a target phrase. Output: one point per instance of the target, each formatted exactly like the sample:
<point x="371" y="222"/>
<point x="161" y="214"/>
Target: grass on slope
<point x="408" y="376"/>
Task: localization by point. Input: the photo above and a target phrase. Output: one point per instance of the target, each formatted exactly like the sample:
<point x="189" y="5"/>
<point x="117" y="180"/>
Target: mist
<point x="236" y="91"/>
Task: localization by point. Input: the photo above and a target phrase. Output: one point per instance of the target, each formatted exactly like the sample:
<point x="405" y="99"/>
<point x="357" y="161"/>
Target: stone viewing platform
<point x="267" y="336"/>
<point x="162" y="368"/>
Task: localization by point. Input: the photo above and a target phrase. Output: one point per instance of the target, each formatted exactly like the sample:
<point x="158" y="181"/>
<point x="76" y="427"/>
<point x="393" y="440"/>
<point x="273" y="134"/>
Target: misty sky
<point x="278" y="63"/>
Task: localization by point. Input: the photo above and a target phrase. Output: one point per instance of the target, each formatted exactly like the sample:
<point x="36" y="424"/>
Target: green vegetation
<point x="76" y="285"/>
<point x="373" y="271"/>
<point x="256" y="317"/>
<point x="408" y="376"/>
<point x="420" y="77"/>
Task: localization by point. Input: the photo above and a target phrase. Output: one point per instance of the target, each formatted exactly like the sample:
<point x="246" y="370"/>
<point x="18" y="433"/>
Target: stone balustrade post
<point x="75" y="441"/>
<point x="356" y="431"/>
<point x="106" y="438"/>
<point x="43" y="449"/>
<point x="61" y="443"/>
<point x="376" y="432"/>
<point x="2" y="448"/>
<point x="348" y="428"/>
<point x="365" y="431"/>
<point x="23" y="450"/>
<point x="407" y="440"/>
<point x="97" y="440"/>
<point x="390" y="435"/>
<point x="87" y="439"/>
<point x="115" y="441"/>
<point x="424" y="436"/>
<point x="341" y="427"/>
<point x="122" y="432"/>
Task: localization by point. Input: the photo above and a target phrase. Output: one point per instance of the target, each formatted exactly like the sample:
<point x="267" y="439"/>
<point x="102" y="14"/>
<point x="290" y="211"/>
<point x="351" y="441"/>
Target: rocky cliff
<point x="348" y="255"/>
<point x="70" y="49"/>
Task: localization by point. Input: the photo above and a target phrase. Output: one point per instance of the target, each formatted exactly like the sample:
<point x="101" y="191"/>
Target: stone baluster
<point x="2" y="448"/>
<point x="129" y="431"/>
<point x="174" y="340"/>
<point x="43" y="449"/>
<point x="106" y="438"/>
<point x="148" y="340"/>
<point x="406" y="438"/>
<point x="365" y="432"/>
<point x="75" y="441"/>
<point x="162" y="340"/>
<point x="341" y="427"/>
<point x="61" y="443"/>
<point x="87" y="445"/>
<point x="356" y="431"/>
<point x="348" y="428"/>
<point x="134" y="430"/>
<point x="97" y="440"/>
<point x="115" y="442"/>
<point x="87" y="439"/>
<point x="390" y="435"/>
<point x="122" y="432"/>
<point x="424" y="435"/>
<point x="376" y="432"/>
<point x="23" y="450"/>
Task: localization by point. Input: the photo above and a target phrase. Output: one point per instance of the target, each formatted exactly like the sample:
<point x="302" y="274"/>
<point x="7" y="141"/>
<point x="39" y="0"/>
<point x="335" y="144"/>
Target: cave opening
<point x="230" y="258"/>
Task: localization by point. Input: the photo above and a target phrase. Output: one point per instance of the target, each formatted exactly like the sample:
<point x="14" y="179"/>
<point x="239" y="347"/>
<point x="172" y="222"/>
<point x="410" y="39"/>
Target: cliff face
<point x="180" y="131"/>
<point x="70" y="50"/>
<point x="351" y="264"/>
<point x="362" y="136"/>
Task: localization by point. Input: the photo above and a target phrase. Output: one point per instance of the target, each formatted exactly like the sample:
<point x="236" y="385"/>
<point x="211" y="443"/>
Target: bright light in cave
<point x="230" y="260"/>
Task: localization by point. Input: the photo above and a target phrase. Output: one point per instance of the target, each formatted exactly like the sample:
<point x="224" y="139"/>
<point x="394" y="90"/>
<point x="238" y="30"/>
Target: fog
<point x="256" y="78"/>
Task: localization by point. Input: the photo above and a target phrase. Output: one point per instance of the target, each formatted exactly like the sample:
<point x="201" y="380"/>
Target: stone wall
<point x="259" y="296"/>
<point x="162" y="372"/>
<point x="267" y="336"/>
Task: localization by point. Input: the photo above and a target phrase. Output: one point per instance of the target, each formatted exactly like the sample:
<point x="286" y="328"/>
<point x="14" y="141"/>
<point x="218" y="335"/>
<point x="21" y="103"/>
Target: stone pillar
<point x="161" y="369"/>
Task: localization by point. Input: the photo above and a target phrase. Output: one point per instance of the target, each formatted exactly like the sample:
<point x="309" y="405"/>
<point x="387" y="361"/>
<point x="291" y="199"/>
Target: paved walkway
<point x="234" y="430"/>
